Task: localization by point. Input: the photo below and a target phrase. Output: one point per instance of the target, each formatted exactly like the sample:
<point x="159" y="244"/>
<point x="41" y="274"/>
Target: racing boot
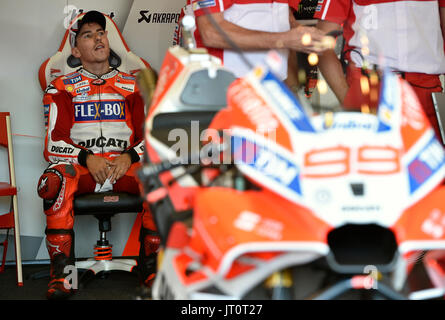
<point x="148" y="254"/>
<point x="60" y="248"/>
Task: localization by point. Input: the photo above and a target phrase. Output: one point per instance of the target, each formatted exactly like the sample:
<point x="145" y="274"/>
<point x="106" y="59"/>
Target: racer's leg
<point x="57" y="187"/>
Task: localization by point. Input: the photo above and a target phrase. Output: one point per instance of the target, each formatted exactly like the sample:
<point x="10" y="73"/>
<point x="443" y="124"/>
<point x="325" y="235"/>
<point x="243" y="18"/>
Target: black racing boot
<point x="60" y="250"/>
<point x="147" y="263"/>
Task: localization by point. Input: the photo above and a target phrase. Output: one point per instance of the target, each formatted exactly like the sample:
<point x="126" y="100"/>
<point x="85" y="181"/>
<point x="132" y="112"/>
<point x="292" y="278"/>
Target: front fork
<point x="280" y="284"/>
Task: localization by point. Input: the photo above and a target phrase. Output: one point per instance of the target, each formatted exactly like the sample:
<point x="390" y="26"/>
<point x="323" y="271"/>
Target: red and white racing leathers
<point x="403" y="35"/>
<point x="88" y="114"/>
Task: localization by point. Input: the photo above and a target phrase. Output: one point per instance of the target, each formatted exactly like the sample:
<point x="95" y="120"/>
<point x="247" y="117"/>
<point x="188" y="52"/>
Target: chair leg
<point x="5" y="249"/>
<point x="18" y="250"/>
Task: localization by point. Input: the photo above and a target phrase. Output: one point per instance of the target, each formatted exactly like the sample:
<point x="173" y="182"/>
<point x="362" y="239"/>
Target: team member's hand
<point x="119" y="166"/>
<point x="305" y="39"/>
<point x="98" y="167"/>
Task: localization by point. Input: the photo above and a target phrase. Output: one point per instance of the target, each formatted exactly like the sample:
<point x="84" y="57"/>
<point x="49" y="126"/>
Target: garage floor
<point x="118" y="285"/>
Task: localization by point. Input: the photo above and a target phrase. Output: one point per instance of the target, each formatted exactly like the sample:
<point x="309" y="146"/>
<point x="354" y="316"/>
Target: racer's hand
<point x="98" y="167"/>
<point x="119" y="166"/>
<point x="306" y="39"/>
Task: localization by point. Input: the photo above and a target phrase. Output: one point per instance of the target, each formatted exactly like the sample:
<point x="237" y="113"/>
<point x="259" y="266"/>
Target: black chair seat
<point x="107" y="203"/>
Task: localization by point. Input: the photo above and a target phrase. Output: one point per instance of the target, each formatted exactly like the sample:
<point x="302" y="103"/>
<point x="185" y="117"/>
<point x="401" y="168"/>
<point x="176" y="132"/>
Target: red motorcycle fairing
<point x="254" y="223"/>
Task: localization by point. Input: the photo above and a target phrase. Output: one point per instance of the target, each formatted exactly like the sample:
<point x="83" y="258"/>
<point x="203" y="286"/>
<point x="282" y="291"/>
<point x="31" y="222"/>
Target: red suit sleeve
<point x="333" y="10"/>
<point x="58" y="144"/>
<point x="136" y="107"/>
<point x="201" y="7"/>
<point x="294" y="4"/>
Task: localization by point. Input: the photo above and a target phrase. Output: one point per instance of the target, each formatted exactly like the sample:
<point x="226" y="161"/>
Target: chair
<point x="101" y="205"/>
<point x="10" y="220"/>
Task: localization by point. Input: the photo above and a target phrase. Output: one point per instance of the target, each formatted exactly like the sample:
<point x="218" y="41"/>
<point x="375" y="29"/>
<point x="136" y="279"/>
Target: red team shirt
<point x="406" y="34"/>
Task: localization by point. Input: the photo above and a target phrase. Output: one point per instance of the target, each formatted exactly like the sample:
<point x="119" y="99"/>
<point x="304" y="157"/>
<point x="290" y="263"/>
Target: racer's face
<point x="92" y="44"/>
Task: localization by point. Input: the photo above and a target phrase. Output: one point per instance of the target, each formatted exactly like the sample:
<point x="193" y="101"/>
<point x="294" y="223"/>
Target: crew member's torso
<point x="406" y="34"/>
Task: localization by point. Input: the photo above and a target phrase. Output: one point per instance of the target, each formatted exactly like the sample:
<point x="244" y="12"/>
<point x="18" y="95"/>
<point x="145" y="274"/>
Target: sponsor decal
<point x="350" y="124"/>
<point x="368" y="208"/>
<point x="429" y="160"/>
<point x="318" y="8"/>
<point x="111" y="199"/>
<point x="63" y="150"/>
<point x="203" y="4"/>
<point x="158" y="17"/>
<point x="70" y="76"/>
<point x="125" y="86"/>
<point x="69" y="88"/>
<point x="61" y="196"/>
<point x="127" y="77"/>
<point x="286" y="101"/>
<point x="98" y="82"/>
<point x="83" y="90"/>
<point x="252" y="222"/>
<point x="102" y="110"/>
<point x="434" y="225"/>
<point x="267" y="163"/>
<point x="81" y="84"/>
<point x="102" y="142"/>
<point x="51" y="89"/>
<point x="72" y="80"/>
<point x="254" y="107"/>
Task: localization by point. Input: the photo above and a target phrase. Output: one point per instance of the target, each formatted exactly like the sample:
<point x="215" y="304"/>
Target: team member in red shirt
<point x="405" y="36"/>
<point x="94" y="141"/>
<point x="255" y="26"/>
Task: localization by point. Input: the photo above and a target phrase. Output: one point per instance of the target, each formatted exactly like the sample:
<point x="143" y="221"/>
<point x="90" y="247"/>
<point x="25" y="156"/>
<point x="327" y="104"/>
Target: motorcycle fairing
<point x="251" y="222"/>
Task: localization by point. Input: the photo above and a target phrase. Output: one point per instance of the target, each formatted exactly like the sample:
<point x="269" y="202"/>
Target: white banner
<point x="149" y="28"/>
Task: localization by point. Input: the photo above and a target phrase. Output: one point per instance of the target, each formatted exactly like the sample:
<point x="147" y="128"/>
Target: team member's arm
<point x="292" y="63"/>
<point x="248" y="39"/>
<point x="330" y="66"/>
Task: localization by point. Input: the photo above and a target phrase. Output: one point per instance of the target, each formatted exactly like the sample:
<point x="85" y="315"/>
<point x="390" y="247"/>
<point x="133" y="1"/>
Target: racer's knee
<point x="49" y="184"/>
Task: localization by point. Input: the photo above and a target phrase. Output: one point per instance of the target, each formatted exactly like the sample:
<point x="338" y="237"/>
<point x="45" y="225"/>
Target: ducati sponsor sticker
<point x="98" y="82"/>
<point x="102" y="142"/>
<point x="62" y="150"/>
<point x="103" y="110"/>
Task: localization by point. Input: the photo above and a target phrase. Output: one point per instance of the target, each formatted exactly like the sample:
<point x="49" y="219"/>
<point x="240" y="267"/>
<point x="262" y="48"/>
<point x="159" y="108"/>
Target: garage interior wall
<point x="31" y="32"/>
